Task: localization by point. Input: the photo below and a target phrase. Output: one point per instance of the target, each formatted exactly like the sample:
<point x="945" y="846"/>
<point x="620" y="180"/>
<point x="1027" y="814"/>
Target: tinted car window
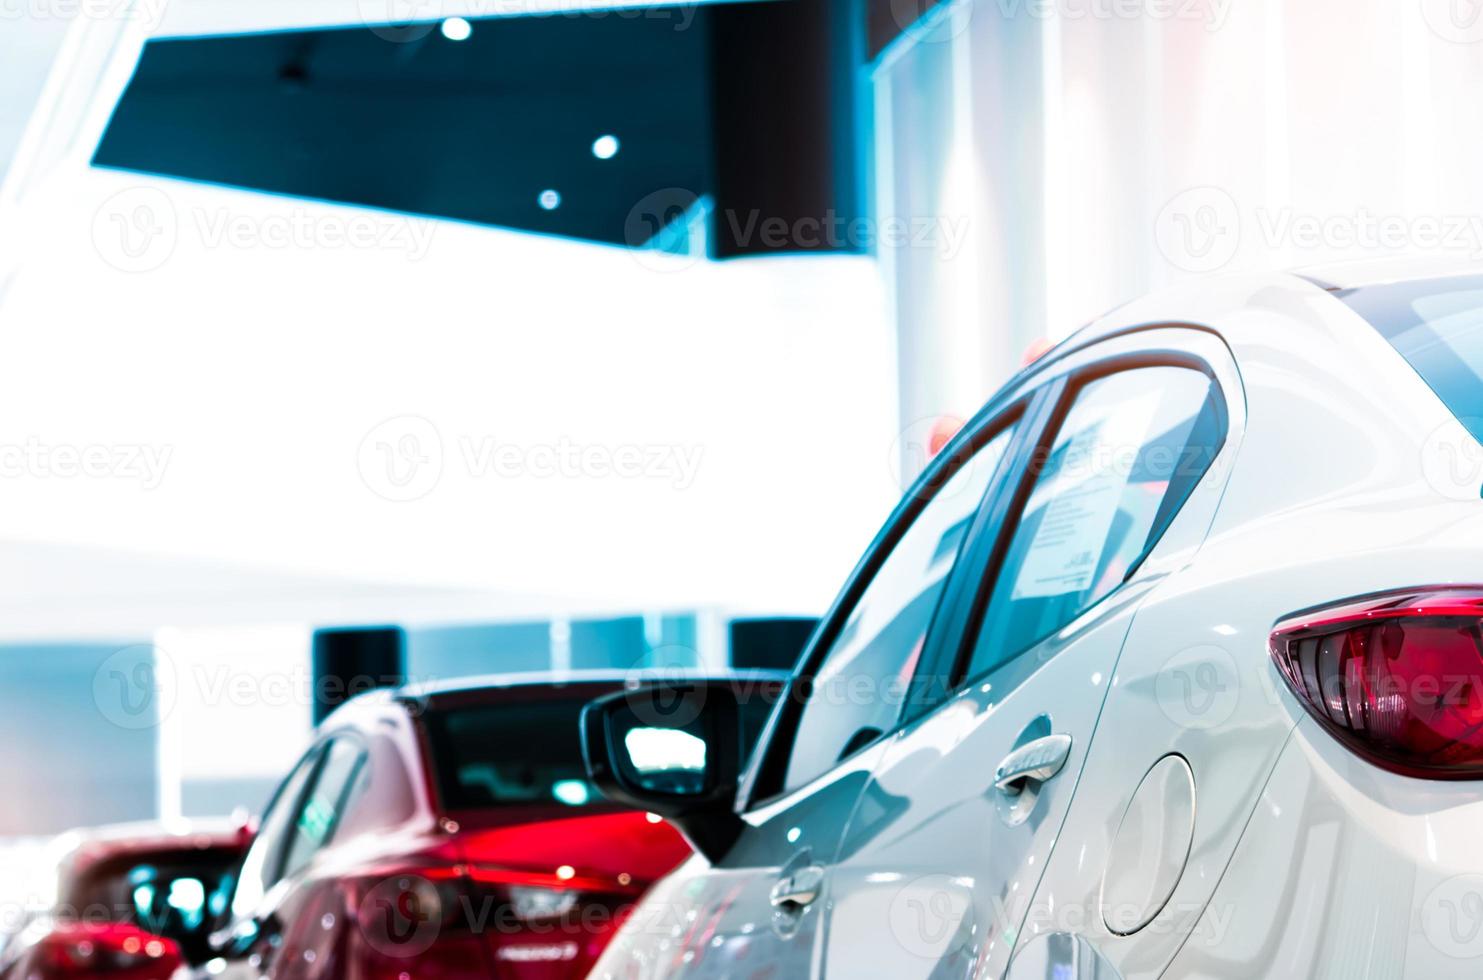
<point x="1132" y="447"/>
<point x="495" y="755"/>
<point x="176" y="894"/>
<point x="339" y="776"/>
<point x="260" y="866"/>
<point x="1437" y="326"/>
<point x="859" y="686"/>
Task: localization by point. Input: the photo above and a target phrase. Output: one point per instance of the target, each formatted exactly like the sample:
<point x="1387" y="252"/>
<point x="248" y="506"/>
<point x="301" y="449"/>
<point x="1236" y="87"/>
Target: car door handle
<point x="1033" y="762"/>
<point x="799" y="888"/>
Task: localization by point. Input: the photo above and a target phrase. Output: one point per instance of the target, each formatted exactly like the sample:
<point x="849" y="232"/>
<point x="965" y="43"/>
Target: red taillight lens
<point x="1397" y="678"/>
<point x="116" y="949"/>
<point x="433" y="922"/>
<point x="413" y="922"/>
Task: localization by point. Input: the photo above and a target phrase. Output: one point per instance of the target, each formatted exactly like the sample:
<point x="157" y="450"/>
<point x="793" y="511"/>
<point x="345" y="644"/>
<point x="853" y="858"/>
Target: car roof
<point x="152" y="832"/>
<point x="1201" y="300"/>
<point x="560" y="679"/>
<point x="76" y="852"/>
<point x="1336" y="276"/>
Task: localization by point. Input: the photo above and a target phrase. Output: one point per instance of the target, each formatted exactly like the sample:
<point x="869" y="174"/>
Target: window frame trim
<point x="279" y="856"/>
<point x="322" y="748"/>
<point x="362" y="759"/>
<point x="1039" y="393"/>
<point x="976" y="603"/>
<point x="1019" y="407"/>
<point x="273" y="861"/>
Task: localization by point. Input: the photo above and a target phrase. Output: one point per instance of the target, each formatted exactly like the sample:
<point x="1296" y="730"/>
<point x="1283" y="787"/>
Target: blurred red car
<point x="445" y="832"/>
<point x="134" y="902"/>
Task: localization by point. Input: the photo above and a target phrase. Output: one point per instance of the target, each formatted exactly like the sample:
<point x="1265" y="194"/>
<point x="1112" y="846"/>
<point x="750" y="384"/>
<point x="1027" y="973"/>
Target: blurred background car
<point x="134" y="901"/>
<point x="449" y="831"/>
<point x="359" y="343"/>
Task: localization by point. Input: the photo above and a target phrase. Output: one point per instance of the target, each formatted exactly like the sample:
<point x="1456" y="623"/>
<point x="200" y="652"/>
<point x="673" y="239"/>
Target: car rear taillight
<point x="1397" y="678"/>
<point x="432" y="922"/>
<point x="413" y="917"/>
<point x="114" y="949"/>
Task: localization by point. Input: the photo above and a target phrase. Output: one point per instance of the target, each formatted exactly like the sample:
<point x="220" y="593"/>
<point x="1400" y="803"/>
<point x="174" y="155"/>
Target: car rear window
<point x="497" y="755"/>
<point x="1437" y="326"/>
<point x="176" y="894"/>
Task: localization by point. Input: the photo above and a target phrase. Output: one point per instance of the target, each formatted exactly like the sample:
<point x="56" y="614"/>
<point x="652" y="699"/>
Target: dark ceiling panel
<point x="474" y="129"/>
<point x="751" y="104"/>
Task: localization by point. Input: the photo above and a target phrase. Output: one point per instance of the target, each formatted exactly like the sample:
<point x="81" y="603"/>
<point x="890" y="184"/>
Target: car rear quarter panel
<point x="1347" y="871"/>
<point x="1328" y="498"/>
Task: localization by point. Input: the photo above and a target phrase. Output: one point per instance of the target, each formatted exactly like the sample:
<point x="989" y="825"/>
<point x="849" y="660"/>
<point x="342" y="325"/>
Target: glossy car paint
<point x="370" y="903"/>
<point x="1301" y="858"/>
<point x="80" y="938"/>
<point x="79" y="950"/>
<point x="1328" y="499"/>
<point x="946" y="872"/>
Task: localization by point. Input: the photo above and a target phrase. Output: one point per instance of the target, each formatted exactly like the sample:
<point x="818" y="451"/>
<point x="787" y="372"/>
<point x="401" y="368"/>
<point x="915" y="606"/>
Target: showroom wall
<point x="1098" y="150"/>
<point x="202" y="721"/>
<point x="232" y="417"/>
<point x="26" y="54"/>
<point x="69" y="762"/>
<point x="378" y="418"/>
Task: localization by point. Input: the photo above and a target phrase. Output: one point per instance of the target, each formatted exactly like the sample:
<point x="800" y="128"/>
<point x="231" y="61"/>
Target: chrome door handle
<point x="799" y="888"/>
<point x="1033" y="762"/>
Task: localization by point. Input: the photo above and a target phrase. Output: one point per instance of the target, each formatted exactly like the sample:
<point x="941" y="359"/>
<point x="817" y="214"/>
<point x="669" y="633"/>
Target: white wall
<point x="235" y="707"/>
<point x="222" y="412"/>
<point x="31" y="31"/>
<point x="246" y="379"/>
<point x="441" y="404"/>
<point x="1117" y="147"/>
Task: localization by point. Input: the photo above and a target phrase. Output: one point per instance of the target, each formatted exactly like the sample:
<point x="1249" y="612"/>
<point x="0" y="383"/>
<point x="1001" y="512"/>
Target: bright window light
<point x="605" y="147"/>
<point x="457" y="29"/>
<point x="664" y="750"/>
<point x="572" y="792"/>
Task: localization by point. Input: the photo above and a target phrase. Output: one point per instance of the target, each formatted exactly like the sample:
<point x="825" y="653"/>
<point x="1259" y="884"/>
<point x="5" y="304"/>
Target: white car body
<point x="1260" y="846"/>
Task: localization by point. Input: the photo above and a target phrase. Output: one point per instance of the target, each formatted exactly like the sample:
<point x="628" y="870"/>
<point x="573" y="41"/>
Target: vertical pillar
<point x="352" y="661"/>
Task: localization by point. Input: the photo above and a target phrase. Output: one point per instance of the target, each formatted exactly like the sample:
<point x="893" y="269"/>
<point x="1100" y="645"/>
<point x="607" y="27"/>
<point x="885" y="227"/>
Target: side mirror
<point x="676" y="749"/>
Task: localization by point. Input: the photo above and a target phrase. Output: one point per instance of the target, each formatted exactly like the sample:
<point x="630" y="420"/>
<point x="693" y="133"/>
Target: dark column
<point x="352" y="661"/>
<point x="774" y="644"/>
<point x="788" y="159"/>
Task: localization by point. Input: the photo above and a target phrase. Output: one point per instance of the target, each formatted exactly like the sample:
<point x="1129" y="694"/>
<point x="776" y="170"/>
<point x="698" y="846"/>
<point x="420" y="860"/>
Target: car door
<point x="297" y="825"/>
<point x="757" y="911"/>
<point x="935" y="873"/>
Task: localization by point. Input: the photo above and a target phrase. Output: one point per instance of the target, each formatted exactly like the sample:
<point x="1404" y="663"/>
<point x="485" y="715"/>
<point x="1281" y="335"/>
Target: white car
<point x="1171" y="665"/>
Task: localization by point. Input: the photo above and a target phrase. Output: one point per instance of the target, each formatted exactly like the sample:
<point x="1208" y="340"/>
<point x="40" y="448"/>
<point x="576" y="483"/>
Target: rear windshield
<point x="1437" y="326"/>
<point x="510" y="755"/>
<point x="178" y="895"/>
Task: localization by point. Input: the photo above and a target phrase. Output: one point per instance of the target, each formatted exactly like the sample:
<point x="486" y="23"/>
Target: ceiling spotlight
<point x="550" y="200"/>
<point x="605" y="147"/>
<point x="457" y="29"/>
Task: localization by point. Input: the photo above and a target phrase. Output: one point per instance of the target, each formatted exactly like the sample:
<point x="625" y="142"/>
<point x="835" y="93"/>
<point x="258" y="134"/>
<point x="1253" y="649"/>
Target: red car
<point x="134" y="902"/>
<point x="445" y="832"/>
